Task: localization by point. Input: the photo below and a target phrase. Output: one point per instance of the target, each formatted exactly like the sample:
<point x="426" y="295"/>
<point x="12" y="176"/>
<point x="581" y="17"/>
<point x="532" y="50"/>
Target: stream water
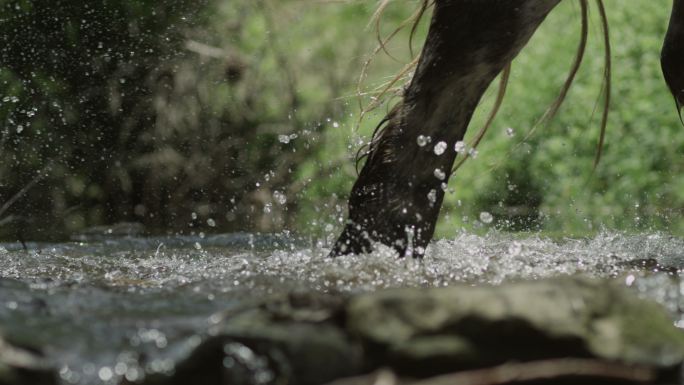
<point x="121" y="307"/>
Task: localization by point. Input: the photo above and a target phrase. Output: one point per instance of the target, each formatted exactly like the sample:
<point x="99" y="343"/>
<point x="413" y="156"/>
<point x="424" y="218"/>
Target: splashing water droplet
<point x="440" y="147"/>
<point x="473" y="153"/>
<point x="279" y="197"/>
<point x="630" y="280"/>
<point x="459" y="146"/>
<point x="105" y="373"/>
<point x="509" y="132"/>
<point x="486" y="217"/>
<point x="439" y="174"/>
<point x="422" y="140"/>
<point x="515" y="249"/>
<point x="285" y="139"/>
<point x="432" y="196"/>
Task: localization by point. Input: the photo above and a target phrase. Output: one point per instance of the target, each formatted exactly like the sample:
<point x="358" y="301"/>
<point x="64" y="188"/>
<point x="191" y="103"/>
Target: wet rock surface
<point x="20" y="365"/>
<point x="427" y="332"/>
<point x="290" y="339"/>
<point x="600" y="329"/>
<point x="245" y="309"/>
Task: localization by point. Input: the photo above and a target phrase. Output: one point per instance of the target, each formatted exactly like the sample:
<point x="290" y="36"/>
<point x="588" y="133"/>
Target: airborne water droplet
<point x="459" y="146"/>
<point x="279" y="197"/>
<point x="514" y="249"/>
<point x="422" y="140"/>
<point x="440" y="147"/>
<point x="439" y="174"/>
<point x="432" y="196"/>
<point x="486" y="217"/>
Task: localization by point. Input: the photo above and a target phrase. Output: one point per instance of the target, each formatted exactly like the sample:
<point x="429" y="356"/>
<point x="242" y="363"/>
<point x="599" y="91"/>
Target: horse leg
<point x="398" y="194"/>
<point x="672" y="54"/>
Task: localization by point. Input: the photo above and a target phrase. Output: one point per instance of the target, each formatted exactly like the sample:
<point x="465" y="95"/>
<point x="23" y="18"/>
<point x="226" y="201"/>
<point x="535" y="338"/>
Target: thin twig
<point x="23" y="191"/>
<point x="544" y="370"/>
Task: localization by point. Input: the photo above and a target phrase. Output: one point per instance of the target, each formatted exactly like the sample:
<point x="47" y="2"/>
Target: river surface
<point x="112" y="308"/>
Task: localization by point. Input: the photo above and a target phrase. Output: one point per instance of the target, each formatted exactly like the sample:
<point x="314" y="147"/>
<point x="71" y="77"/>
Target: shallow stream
<point x="118" y="308"/>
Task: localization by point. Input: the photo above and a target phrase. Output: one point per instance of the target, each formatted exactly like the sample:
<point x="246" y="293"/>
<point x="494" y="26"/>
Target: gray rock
<point x="23" y="366"/>
<point x="598" y="327"/>
<point x="294" y="339"/>
<point x="431" y="331"/>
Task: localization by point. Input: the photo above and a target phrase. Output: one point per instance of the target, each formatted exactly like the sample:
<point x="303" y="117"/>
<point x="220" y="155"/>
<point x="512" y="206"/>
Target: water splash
<point x="102" y="304"/>
<point x="486" y="217"/>
<point x="423" y="140"/>
<point x="440" y="147"/>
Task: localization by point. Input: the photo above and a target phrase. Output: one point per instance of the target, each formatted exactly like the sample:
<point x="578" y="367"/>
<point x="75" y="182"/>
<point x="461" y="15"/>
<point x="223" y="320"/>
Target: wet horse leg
<point x="672" y="54"/>
<point x="398" y="194"/>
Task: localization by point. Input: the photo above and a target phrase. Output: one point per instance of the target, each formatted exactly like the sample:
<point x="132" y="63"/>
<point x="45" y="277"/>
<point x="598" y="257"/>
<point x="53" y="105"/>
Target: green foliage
<point x="636" y="184"/>
<point x="242" y="115"/>
<point x="76" y="86"/>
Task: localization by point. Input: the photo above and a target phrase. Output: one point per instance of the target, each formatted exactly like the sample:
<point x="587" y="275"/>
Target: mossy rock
<point x="311" y="338"/>
<point x="430" y="331"/>
<point x="23" y="366"/>
<point x="284" y="339"/>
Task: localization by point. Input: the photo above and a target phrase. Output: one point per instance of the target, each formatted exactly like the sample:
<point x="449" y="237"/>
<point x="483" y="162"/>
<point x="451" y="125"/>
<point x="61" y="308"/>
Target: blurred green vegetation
<point x="242" y="115"/>
<point x="638" y="184"/>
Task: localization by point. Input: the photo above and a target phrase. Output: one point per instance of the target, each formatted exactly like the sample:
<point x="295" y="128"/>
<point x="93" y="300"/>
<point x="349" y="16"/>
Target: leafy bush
<point x="241" y="115"/>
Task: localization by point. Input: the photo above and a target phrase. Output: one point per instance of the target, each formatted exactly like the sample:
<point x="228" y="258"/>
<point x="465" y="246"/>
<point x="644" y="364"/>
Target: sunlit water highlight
<point x="124" y="307"/>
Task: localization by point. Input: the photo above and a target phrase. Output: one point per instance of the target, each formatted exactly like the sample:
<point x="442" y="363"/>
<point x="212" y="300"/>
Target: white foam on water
<point x="110" y="299"/>
<point x="468" y="258"/>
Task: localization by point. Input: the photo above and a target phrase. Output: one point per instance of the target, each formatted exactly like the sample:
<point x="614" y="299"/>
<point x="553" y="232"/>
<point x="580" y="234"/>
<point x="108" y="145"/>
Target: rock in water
<point x="20" y="366"/>
<point x="315" y="338"/>
<point x="431" y="331"/>
<point x="288" y="339"/>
